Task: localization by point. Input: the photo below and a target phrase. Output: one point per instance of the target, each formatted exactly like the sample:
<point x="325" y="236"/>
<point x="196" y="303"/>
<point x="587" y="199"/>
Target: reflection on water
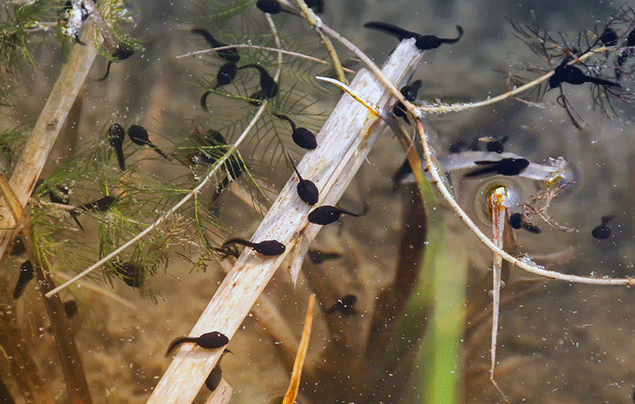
<point x="559" y="343"/>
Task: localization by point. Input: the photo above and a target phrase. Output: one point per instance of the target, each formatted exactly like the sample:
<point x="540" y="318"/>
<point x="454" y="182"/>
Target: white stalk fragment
<point x="343" y="144"/>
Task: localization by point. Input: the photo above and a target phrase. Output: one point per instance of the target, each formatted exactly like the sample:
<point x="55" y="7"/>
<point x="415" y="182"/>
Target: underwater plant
<point x="120" y="211"/>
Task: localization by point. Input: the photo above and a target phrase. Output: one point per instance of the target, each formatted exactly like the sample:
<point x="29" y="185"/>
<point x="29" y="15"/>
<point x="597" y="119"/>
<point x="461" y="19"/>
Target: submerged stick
<point x="343" y="143"/>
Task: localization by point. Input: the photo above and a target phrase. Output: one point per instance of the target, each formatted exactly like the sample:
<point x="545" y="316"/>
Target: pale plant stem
<point x="265" y="48"/>
<point x="497" y="203"/>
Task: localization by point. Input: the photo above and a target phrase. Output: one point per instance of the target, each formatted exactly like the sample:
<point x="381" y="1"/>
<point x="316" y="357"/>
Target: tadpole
<point x="602" y="231"/>
<point x="507" y="166"/>
<point x="307" y="191"/>
<point x="318" y="257"/>
<point x="230" y="54"/>
<point x="327" y="214"/>
<point x="70" y="308"/>
<point x="423" y="42"/>
<point x="301" y="136"/>
<point x="226" y="74"/>
<point x="139" y="135"/>
<point x="272" y="7"/>
<point x="123" y="51"/>
<point x="132" y="274"/>
<point x="267" y="247"/>
<point x="216" y="375"/>
<point x="116" y="136"/>
<point x="517" y="221"/>
<point x="26" y="274"/>
<point x="409" y="92"/>
<point x="496" y="146"/>
<point x="609" y="37"/>
<point x="209" y="340"/>
<point x="267" y="83"/>
<point x="345" y="305"/>
<point x="100" y="205"/>
<point x="565" y="73"/>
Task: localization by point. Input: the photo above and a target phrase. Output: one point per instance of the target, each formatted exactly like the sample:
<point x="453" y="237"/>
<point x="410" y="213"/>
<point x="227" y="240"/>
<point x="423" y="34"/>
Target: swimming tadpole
<point x="267" y="247"/>
<point x="423" y="42"/>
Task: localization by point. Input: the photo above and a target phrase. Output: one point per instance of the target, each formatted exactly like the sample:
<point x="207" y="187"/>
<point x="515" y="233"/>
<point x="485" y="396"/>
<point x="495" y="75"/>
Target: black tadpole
<point x="609" y="37"/>
<point x="226" y="74"/>
<point x="70" y="308"/>
<point x="496" y="146"/>
<point x="267" y="247"/>
<point x="301" y="136"/>
<point x="139" y="135"/>
<point x="517" y="221"/>
<point x="100" y="205"/>
<point x="209" y="340"/>
<point x="345" y="305"/>
<point x="307" y="191"/>
<point x="60" y="195"/>
<point x="272" y="7"/>
<point x="318" y="257"/>
<point x="602" y="231"/>
<point x="124" y="51"/>
<point x="267" y="83"/>
<point x="507" y="167"/>
<point x="410" y="94"/>
<point x="26" y="274"/>
<point x="230" y="55"/>
<point x="327" y="214"/>
<point x="116" y="136"/>
<point x="132" y="274"/>
<point x="423" y="42"/>
<point x="216" y="375"/>
<point x="565" y="73"/>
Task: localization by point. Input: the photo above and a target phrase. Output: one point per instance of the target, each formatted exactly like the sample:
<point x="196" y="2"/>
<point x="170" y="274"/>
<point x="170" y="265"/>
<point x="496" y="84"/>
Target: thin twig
<point x="265" y="48"/>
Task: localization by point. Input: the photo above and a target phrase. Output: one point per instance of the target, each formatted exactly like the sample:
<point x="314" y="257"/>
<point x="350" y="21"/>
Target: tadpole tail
<point x="390" y="29"/>
<point x="156" y="149"/>
<point x="204" y="100"/>
<point x="453" y="40"/>
<point x="107" y="72"/>
<point x="286" y="118"/>
<point x="120" y="158"/>
<point x="602" y="82"/>
<point x="208" y="37"/>
<point x="178" y="341"/>
<point x="240" y="241"/>
<point x="221" y="187"/>
<point x="74" y="216"/>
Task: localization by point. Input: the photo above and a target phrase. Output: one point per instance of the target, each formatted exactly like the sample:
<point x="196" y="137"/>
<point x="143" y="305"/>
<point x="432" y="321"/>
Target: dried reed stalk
<point x="47" y="129"/>
<point x="344" y="142"/>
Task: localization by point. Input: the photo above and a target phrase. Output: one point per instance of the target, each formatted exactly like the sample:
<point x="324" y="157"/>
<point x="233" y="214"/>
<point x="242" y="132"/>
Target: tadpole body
<point x="116" y="136"/>
<point x="409" y="92"/>
<point x="273" y="7"/>
<point x="301" y="136"/>
<point x="132" y="274"/>
<point x="100" y="205"/>
<point x="307" y="191"/>
<point x="423" y="42"/>
<point x="345" y="305"/>
<point x="70" y="308"/>
<point x="602" y="231"/>
<point x="230" y="55"/>
<point x="267" y="247"/>
<point x="318" y="257"/>
<point x="609" y="37"/>
<point x="26" y="274"/>
<point x="226" y="74"/>
<point x="216" y="375"/>
<point x="327" y="214"/>
<point x="123" y="51"/>
<point x="496" y="146"/>
<point x="139" y="135"/>
<point x="60" y="195"/>
<point x="517" y="221"/>
<point x="209" y="340"/>
<point x="267" y="83"/>
<point x="506" y="166"/>
<point x="565" y="73"/>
